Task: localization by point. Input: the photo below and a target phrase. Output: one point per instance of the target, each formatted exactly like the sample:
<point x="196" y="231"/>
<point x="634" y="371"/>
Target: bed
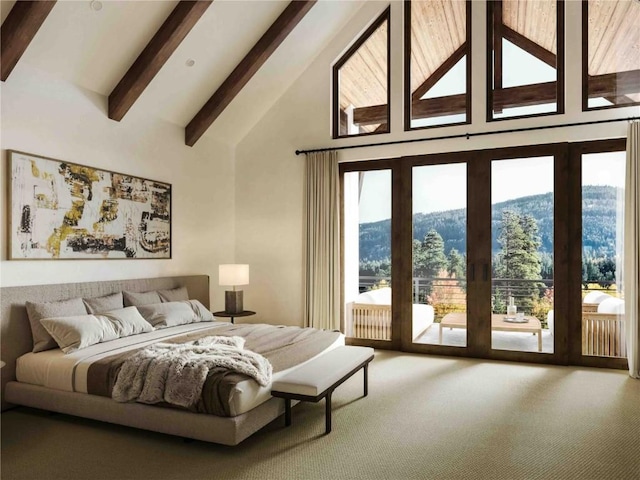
<point x="64" y="383"/>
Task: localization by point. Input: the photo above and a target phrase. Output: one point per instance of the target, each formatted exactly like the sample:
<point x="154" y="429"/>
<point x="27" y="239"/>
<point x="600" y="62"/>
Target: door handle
<point x="485" y="272"/>
<point x="472" y="273"/>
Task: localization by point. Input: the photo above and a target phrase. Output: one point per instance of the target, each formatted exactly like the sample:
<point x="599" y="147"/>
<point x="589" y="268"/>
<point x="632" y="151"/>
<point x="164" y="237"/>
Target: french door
<point x="471" y="254"/>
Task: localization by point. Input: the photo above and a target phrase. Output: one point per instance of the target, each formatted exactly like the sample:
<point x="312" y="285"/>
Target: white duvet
<point x="57" y="370"/>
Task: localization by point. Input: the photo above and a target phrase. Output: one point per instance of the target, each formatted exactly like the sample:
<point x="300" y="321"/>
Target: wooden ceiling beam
<point x="529" y="46"/>
<point x="17" y="31"/>
<point x="440" y="72"/>
<point x="250" y="64"/>
<point x="172" y="32"/>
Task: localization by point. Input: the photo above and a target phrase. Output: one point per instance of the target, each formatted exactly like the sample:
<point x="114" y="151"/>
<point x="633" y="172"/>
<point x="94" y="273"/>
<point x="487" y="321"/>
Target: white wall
<point x="270" y="177"/>
<point x="47" y="116"/>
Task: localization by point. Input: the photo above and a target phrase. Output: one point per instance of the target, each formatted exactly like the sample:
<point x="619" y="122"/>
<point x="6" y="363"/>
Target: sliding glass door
<point x="511" y="253"/>
<point x="522" y="252"/>
<point x="598" y="334"/>
<point x="367" y="312"/>
<point x="602" y="297"/>
<point x="439" y="255"/>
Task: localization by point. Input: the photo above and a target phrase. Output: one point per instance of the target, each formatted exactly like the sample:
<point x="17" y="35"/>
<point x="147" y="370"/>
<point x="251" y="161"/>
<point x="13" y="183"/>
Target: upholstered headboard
<point x="16" y="336"/>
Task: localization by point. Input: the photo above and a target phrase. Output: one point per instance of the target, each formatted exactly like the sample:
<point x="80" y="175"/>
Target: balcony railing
<point x="533" y="297"/>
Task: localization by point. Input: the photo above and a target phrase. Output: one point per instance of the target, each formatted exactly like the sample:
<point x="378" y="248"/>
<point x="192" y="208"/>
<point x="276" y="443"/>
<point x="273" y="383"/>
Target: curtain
<point x="631" y="273"/>
<point x="322" y="288"/>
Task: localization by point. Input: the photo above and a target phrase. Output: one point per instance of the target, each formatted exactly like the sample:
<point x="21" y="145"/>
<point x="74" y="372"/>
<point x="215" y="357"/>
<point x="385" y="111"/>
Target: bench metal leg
<point x="287" y="412"/>
<point x="327" y="400"/>
<point x="366" y="379"/>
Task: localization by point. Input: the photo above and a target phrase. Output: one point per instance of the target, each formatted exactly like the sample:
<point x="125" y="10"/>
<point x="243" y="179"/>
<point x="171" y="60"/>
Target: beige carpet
<point x="425" y="418"/>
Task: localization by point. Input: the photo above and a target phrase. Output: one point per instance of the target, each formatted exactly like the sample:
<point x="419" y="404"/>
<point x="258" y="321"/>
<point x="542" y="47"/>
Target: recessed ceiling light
<point x="96" y="5"/>
<point x="190" y="62"/>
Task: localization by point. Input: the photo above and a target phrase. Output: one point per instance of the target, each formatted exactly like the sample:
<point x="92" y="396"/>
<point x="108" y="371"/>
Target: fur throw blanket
<point x="175" y="373"/>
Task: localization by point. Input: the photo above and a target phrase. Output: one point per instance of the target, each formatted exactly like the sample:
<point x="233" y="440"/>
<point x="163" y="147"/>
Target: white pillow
<point x="179" y="294"/>
<point x="379" y="296"/>
<point x="595" y="297"/>
<point x="612" y="305"/>
<point x="81" y="331"/>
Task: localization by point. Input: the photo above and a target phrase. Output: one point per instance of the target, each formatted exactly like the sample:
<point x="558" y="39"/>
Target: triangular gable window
<point x="611" y="62"/>
<point x="525" y="53"/>
<point x="361" y="84"/>
<point x="437" y="59"/>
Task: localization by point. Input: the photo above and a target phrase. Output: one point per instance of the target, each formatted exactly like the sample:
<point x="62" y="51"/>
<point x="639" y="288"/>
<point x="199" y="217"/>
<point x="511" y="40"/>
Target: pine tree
<point x="433" y="259"/>
<point x="456" y="267"/>
<point x="519" y="259"/>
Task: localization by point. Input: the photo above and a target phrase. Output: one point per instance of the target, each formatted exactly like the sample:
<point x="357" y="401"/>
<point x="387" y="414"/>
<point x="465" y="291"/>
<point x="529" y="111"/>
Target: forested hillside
<point x="599" y="226"/>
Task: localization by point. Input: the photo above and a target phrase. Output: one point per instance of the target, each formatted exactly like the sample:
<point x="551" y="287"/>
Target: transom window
<point x="525" y="58"/>
<point x="361" y="84"/>
<point x="437" y="63"/>
<point x="611" y="56"/>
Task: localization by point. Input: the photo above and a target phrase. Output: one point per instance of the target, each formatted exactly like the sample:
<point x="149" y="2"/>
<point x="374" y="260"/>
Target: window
<point x="611" y="56"/>
<point x="525" y="60"/>
<point x="361" y="84"/>
<point x="437" y="63"/>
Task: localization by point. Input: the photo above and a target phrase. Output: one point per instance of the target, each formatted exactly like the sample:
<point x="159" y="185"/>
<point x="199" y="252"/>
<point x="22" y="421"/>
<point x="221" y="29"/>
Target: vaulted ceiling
<point x="252" y="51"/>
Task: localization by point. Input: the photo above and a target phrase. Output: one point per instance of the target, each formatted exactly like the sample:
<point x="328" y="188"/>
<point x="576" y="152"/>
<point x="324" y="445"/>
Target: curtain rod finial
<point x="297" y="152"/>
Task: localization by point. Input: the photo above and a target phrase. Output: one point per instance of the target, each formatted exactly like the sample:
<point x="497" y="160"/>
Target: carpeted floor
<point x="425" y="418"/>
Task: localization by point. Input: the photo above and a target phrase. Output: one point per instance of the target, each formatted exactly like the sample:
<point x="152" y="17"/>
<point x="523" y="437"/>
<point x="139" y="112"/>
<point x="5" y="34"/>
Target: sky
<point x="443" y="187"/>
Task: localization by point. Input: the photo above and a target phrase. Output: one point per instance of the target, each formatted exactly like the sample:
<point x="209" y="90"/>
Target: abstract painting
<point x="62" y="210"/>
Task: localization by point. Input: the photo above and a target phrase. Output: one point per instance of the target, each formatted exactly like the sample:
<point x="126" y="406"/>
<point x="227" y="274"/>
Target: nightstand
<point x="244" y="313"/>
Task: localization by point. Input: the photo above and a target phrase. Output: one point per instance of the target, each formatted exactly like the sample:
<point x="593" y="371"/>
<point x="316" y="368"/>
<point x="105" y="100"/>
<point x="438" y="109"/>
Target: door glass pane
<point x="522" y="252"/>
<point x="603" y="176"/>
<point x="367" y="254"/>
<point x="439" y="254"/>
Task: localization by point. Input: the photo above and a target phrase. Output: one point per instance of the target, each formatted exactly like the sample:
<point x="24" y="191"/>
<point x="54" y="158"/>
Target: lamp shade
<point x="233" y="274"/>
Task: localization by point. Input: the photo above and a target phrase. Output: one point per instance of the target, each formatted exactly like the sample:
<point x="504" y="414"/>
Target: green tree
<point x="518" y="259"/>
<point x="456" y="264"/>
<point x="431" y="258"/>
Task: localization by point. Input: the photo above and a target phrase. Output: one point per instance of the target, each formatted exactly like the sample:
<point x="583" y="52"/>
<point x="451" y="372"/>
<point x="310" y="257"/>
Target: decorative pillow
<point x="135" y="299"/>
<point x="612" y="305"/>
<point x="80" y="331"/>
<point x="170" y="314"/>
<point x="104" y="304"/>
<point x="202" y="313"/>
<point x="37" y="311"/>
<point x="179" y="294"/>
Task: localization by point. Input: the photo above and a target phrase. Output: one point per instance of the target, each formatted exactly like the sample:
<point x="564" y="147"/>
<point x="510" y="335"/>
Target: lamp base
<point x="233" y="301"/>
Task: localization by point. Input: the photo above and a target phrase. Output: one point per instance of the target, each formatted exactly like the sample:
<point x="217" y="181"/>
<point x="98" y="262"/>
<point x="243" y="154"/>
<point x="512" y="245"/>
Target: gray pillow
<point x="37" y="311"/>
<point x="135" y="299"/>
<point x="104" y="304"/>
<point x="80" y="331"/>
<point x="171" y="314"/>
<point x="174" y="295"/>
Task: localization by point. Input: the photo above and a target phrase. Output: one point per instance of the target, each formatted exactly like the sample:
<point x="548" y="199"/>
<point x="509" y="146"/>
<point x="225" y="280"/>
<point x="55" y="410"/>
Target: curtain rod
<point x="467" y="135"/>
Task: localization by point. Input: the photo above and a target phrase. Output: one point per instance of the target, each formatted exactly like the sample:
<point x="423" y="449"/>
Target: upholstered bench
<point x="318" y="378"/>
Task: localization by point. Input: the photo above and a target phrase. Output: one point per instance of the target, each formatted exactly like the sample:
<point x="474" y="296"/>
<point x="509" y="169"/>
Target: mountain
<point x="598" y="210"/>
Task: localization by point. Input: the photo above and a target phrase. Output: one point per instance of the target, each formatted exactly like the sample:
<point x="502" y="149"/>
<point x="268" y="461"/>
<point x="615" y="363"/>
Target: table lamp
<point x="233" y="275"/>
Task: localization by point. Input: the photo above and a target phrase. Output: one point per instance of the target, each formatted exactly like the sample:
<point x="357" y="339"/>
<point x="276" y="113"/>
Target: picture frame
<point x="63" y="210"/>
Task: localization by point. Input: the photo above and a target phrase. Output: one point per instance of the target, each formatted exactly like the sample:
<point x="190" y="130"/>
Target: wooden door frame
<point x="576" y="150"/>
<point x="567" y="250"/>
